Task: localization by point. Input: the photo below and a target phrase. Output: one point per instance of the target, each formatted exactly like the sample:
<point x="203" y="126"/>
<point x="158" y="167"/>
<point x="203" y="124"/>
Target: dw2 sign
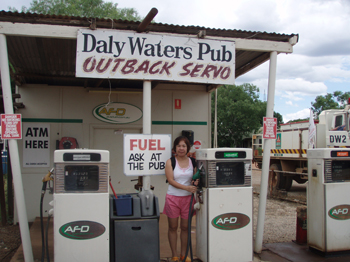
<point x="117" y="113"/>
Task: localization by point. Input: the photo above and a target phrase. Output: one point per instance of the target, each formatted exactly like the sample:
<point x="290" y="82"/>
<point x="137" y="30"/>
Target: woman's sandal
<point x="183" y="257"/>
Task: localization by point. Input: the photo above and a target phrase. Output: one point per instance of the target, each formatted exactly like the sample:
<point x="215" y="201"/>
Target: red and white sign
<point x="270" y="128"/>
<point x="197" y="144"/>
<point x="11" y="126"/>
<point x="146" y="154"/>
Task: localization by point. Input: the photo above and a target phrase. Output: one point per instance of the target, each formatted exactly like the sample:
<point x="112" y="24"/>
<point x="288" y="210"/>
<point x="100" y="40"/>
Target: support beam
<point x="147" y="123"/>
<point x="266" y="157"/>
<point x="13" y="148"/>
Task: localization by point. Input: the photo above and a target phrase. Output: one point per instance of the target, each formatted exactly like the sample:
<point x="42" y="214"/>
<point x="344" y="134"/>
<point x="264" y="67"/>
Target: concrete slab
<point x="296" y="253"/>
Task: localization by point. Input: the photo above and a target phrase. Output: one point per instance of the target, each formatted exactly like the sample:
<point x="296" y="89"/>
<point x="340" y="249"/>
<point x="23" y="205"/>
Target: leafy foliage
<point x="337" y="100"/>
<point x="82" y="8"/>
<point x="239" y="113"/>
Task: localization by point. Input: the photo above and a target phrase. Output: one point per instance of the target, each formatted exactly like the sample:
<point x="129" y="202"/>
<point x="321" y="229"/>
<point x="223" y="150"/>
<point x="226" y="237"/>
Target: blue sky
<point x="320" y="62"/>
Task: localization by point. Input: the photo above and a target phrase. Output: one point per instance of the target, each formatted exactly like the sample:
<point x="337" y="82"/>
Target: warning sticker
<point x="11" y="126"/>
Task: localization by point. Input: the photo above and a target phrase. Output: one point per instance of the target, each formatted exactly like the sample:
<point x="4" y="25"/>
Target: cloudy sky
<point x="320" y="62"/>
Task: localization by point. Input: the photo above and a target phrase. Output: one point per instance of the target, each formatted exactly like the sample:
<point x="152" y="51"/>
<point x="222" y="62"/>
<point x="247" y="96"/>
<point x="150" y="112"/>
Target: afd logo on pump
<point x="230" y="221"/>
<point x="340" y="212"/>
<point x="81" y="230"/>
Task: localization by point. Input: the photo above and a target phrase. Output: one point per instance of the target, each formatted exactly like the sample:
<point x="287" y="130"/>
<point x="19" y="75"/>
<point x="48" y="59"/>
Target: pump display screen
<point x="340" y="170"/>
<point x="81" y="178"/>
<point x="229" y="173"/>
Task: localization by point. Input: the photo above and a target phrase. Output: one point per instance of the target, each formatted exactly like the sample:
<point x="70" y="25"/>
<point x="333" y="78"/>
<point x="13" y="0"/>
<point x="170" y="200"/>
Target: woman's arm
<point x="169" y="172"/>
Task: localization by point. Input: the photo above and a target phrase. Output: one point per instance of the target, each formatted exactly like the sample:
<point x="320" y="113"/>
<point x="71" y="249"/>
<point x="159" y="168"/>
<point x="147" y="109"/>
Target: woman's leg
<point x="172" y="234"/>
<point x="184" y="235"/>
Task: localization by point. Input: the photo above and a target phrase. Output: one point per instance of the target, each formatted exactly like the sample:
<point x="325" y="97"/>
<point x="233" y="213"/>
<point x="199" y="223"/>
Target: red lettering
<point x="207" y="70"/>
<point x="152" y="71"/>
<point x="86" y="63"/>
<point x="152" y="144"/>
<point x="143" y="67"/>
<point x="117" y="63"/>
<point x="217" y="72"/>
<point x="159" y="147"/>
<point x="187" y="71"/>
<point x="101" y="70"/>
<point x="166" y="68"/>
<point x="228" y="69"/>
<point x="132" y="144"/>
<point x="129" y="66"/>
<point x="195" y="70"/>
<point x="144" y="146"/>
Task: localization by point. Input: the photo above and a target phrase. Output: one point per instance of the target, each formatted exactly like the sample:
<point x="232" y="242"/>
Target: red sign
<point x="11" y="126"/>
<point x="177" y="103"/>
<point x="197" y="144"/>
<point x="270" y="128"/>
<point x="343" y="153"/>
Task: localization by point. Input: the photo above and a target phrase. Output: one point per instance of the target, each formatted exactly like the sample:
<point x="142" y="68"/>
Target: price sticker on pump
<point x="11" y="126"/>
<point x="146" y="154"/>
<point x="270" y="128"/>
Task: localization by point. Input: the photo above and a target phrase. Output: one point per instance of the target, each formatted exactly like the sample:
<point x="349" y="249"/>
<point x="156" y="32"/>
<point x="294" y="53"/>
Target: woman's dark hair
<point x="178" y="140"/>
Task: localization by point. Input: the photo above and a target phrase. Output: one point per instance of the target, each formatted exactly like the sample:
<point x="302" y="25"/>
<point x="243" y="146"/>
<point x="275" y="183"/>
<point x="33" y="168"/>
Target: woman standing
<point x="178" y="197"/>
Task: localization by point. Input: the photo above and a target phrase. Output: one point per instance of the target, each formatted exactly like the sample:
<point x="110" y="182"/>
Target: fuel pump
<point x="328" y="200"/>
<point x="81" y="204"/>
<point x="225" y="218"/>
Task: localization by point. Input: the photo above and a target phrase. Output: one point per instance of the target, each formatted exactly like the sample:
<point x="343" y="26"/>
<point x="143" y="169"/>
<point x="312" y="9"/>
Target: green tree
<point x="239" y="113"/>
<point x="337" y="100"/>
<point x="82" y="8"/>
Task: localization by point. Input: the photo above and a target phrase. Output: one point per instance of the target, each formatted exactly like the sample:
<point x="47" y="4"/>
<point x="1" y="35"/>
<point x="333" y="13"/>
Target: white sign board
<point x="36" y="145"/>
<point x="146" y="154"/>
<point x="129" y="55"/>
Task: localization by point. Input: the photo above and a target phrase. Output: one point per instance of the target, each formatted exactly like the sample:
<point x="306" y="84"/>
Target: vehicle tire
<point x="288" y="183"/>
<point x="275" y="179"/>
<point x="300" y="180"/>
<point x="279" y="181"/>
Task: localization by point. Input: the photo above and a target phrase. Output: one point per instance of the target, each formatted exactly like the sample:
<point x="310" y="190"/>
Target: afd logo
<point x="81" y="230"/>
<point x="230" y="221"/>
<point x="340" y="212"/>
<point x="117" y="113"/>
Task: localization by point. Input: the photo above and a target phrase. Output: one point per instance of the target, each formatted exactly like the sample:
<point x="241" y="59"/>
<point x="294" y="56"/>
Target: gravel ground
<point x="280" y="215"/>
<point x="280" y="220"/>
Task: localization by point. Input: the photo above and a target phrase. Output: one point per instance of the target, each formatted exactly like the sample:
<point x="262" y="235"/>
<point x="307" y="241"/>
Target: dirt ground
<point x="10" y="240"/>
<point x="280" y="219"/>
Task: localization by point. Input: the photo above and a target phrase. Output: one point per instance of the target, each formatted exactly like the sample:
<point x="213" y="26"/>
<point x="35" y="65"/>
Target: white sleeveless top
<point x="182" y="176"/>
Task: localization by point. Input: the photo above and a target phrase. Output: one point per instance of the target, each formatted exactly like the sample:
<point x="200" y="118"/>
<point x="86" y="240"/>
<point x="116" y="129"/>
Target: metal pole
<point x="13" y="148"/>
<point x="266" y="156"/>
<point x="147" y="122"/>
<point x="216" y="120"/>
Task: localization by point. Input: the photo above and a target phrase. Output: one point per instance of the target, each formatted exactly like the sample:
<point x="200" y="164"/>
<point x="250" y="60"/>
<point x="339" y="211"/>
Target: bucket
<point x="301" y="225"/>
<point x="123" y="205"/>
<point x="147" y="199"/>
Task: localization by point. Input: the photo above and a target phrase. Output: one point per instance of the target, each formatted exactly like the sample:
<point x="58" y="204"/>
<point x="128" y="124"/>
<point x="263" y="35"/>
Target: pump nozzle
<point x="48" y="177"/>
<point x="197" y="174"/>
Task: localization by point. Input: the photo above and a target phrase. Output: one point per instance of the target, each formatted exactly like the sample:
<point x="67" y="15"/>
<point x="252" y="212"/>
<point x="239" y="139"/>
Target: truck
<point x="288" y="156"/>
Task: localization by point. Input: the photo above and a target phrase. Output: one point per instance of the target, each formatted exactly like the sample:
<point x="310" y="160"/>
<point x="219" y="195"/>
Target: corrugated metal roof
<point x="37" y="60"/>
